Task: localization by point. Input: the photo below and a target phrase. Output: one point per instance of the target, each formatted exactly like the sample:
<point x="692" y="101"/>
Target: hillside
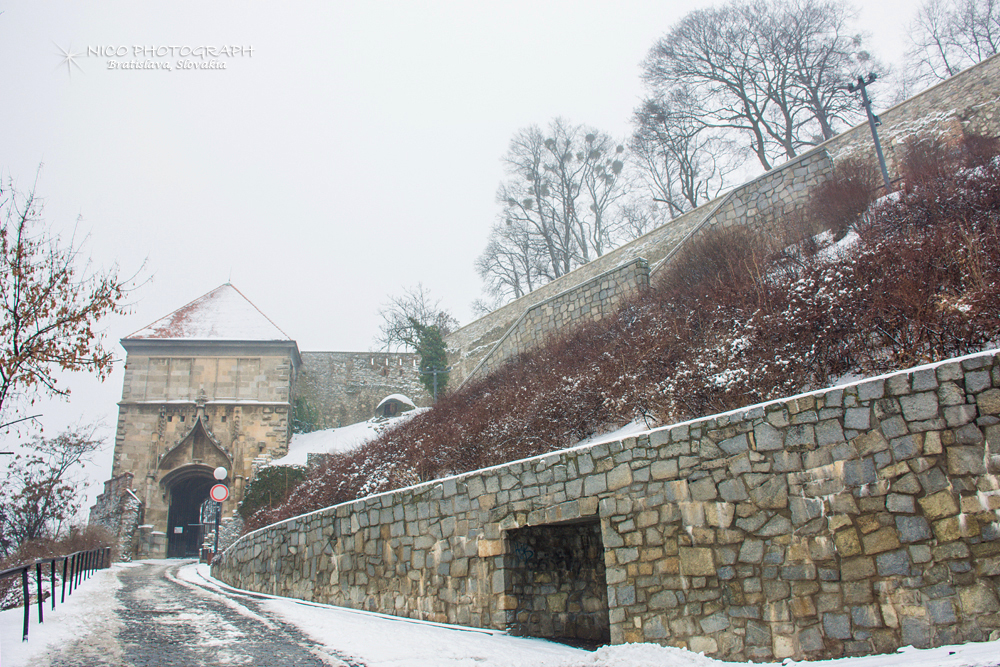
<point x="850" y="288"/>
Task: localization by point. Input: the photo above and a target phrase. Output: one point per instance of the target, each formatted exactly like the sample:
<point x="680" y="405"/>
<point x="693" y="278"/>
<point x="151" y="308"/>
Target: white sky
<point x="354" y="153"/>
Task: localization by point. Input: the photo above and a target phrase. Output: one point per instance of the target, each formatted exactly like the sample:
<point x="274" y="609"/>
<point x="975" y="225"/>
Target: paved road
<point x="162" y="621"/>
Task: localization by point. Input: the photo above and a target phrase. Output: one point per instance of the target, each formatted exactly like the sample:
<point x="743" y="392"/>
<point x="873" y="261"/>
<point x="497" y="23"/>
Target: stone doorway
<point x="187" y="490"/>
<point x="556" y="575"/>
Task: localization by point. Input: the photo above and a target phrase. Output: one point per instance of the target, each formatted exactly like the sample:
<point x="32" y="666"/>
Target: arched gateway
<point x="208" y="386"/>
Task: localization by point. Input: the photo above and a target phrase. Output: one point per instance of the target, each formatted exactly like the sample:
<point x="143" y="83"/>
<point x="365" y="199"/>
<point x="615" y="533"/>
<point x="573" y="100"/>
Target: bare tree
<point x="512" y="263"/>
<point x="771" y="72"/>
<point x="681" y="161"/>
<point x="562" y="188"/>
<point x="40" y="494"/>
<point x="50" y="304"/>
<point x="949" y="35"/>
<point x="404" y="315"/>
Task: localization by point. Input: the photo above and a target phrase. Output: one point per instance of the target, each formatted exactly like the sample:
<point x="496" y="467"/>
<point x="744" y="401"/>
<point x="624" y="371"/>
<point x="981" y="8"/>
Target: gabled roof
<point x="222" y="314"/>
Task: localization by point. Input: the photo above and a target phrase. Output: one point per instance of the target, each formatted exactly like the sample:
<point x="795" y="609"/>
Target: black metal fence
<point x="76" y="568"/>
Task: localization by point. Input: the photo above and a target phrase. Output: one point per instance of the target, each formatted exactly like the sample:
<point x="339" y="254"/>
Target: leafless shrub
<point x="840" y="201"/>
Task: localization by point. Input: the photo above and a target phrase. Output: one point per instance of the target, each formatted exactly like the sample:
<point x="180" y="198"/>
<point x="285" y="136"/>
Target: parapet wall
<point x="846" y="521"/>
<point x="589" y="301"/>
<point x="344" y="387"/>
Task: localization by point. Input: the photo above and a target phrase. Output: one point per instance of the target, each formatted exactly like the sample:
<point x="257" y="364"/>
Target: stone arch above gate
<point x="199" y="446"/>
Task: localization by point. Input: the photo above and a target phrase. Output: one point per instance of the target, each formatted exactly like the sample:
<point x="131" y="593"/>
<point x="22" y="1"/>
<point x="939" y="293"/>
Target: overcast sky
<point x="352" y="150"/>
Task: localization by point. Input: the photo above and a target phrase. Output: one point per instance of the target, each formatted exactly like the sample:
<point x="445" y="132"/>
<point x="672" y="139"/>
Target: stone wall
<point x="589" y="301"/>
<point x="468" y="346"/>
<point x="968" y="101"/>
<point x="118" y="511"/>
<point x="345" y="387"/>
<point x="850" y="520"/>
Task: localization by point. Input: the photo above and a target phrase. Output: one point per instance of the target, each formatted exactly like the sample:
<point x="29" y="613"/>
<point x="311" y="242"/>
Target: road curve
<point x="159" y="620"/>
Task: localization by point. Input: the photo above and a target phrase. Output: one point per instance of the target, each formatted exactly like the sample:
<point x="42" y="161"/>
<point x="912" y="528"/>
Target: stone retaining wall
<point x="590" y="301"/>
<point x="468" y="346"/>
<point x="845" y="521"/>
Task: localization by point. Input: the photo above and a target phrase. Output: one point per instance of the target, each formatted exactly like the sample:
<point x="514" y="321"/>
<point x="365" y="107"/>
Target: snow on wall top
<point x="396" y="397"/>
<point x="222" y="314"/>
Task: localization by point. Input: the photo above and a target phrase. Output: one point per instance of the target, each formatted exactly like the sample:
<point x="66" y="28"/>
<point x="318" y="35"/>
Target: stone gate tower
<point x="209" y="385"/>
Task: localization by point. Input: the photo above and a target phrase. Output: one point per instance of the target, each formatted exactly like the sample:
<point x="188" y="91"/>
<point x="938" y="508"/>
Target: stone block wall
<point x="589" y="301"/>
<point x="846" y="521"/>
<point x="345" y="387"/>
<point x="966" y="102"/>
<point x="468" y="346"/>
<point x="119" y="512"/>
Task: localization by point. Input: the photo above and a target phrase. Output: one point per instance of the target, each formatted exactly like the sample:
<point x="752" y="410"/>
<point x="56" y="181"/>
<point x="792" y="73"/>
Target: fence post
<point x="72" y="573"/>
<point x="52" y="591"/>
<point x="27" y="601"/>
<point x="38" y="579"/>
<point x="65" y="561"/>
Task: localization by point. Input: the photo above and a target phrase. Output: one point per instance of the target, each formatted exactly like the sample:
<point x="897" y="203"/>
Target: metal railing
<point x="76" y="568"/>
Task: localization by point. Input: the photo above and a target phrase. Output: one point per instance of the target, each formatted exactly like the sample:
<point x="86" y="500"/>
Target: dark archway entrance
<point x="187" y="489"/>
<point x="556" y="573"/>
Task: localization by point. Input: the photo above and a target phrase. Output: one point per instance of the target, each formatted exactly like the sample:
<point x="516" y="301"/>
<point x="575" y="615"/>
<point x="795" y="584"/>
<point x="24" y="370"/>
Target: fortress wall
<point x="468" y="346"/>
<point x="588" y="302"/>
<point x="344" y="387"/>
<point x="845" y="521"/>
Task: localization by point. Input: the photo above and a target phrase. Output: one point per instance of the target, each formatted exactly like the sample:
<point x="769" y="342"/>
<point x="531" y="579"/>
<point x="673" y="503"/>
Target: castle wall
<point x="851" y="520"/>
<point x="589" y="301"/>
<point x="119" y="512"/>
<point x="345" y="387"/>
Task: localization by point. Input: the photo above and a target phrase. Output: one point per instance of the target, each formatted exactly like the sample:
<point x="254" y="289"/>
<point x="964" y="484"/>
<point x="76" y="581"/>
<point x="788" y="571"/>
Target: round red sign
<point x="219" y="493"/>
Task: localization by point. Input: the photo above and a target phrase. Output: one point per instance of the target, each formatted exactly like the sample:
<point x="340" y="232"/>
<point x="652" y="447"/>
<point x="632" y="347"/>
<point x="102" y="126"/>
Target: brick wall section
<point x="967" y="101"/>
<point x="345" y="387"/>
<point x="590" y="301"/>
<point x="846" y="521"/>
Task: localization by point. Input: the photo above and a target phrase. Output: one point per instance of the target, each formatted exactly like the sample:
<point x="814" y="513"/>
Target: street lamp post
<point x="218" y="495"/>
<point x="434" y="372"/>
<point x="873" y="122"/>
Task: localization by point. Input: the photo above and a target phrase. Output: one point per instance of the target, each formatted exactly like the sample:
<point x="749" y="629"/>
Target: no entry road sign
<point x="219" y="493"/>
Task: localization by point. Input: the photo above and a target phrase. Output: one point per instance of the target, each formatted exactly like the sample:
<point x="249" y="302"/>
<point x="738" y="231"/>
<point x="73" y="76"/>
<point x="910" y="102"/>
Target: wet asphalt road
<point x="161" y="621"/>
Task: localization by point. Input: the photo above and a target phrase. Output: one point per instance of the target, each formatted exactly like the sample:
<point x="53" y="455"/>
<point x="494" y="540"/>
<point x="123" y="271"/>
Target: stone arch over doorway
<point x="186" y="488"/>
<point x="188" y="466"/>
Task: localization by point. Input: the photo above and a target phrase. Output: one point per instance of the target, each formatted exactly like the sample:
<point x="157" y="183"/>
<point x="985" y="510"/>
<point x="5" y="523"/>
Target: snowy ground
<point x="385" y="641"/>
<point x="337" y="440"/>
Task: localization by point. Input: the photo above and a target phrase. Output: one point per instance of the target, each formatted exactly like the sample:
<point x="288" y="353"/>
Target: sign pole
<point x="218" y="515"/>
<point x="218" y="493"/>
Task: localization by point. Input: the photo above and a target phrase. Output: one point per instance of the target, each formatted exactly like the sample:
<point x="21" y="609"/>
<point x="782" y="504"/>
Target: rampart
<point x="589" y="301"/>
<point x="468" y="346"/>
<point x="344" y="387"/>
<point x="966" y="102"/>
<point x="845" y="521"/>
<point x="119" y="511"/>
